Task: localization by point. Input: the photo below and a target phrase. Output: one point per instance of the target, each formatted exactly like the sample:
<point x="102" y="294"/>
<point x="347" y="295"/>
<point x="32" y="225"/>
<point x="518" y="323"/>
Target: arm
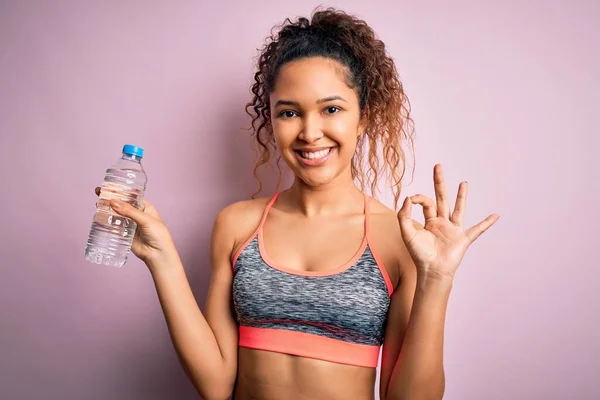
<point x="206" y="344"/>
<point x="413" y="360"/>
<point x="411" y="366"/>
<point x="435" y="251"/>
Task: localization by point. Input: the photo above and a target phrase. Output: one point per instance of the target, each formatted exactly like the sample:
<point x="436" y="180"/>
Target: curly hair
<point x="370" y="71"/>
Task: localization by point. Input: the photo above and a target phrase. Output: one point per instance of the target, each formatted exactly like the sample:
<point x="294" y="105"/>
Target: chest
<point x="350" y="305"/>
<point x="317" y="245"/>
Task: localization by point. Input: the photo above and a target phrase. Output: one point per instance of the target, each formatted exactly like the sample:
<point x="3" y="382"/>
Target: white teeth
<point x="315" y="154"/>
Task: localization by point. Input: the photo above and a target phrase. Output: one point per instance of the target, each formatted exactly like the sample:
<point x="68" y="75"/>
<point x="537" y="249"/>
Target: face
<point x="316" y="120"/>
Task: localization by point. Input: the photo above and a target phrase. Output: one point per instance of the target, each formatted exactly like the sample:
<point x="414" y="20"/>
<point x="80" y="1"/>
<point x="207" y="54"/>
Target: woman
<point x="301" y="313"/>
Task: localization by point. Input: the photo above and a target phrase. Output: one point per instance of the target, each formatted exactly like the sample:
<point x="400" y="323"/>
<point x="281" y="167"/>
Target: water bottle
<point x="111" y="235"/>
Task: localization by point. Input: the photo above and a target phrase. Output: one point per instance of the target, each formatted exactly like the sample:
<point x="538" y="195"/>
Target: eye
<point x="332" y="110"/>
<point x="287" y="114"/>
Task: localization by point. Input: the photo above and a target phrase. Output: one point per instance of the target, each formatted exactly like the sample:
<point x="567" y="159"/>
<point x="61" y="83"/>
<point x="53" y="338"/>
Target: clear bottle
<point x="111" y="235"/>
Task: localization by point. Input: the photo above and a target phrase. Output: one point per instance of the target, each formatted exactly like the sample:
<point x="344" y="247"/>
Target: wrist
<point x="163" y="261"/>
<point x="430" y="280"/>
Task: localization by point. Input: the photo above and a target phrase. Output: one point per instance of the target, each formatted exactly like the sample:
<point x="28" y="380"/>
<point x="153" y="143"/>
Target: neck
<point x="337" y="197"/>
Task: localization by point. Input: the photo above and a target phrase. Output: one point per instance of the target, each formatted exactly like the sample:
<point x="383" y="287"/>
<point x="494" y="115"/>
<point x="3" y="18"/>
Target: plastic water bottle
<point x="111" y="235"/>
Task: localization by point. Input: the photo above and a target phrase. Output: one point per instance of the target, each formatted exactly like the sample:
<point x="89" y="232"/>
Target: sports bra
<point x="338" y="316"/>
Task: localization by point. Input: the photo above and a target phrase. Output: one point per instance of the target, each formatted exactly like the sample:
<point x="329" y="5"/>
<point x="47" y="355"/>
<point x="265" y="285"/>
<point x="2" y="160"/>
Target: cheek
<point x="341" y="126"/>
<point x="284" y="134"/>
<point x="349" y="147"/>
<point x="344" y="132"/>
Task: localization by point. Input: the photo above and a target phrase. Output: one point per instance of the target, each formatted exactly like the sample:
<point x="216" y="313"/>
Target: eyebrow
<point x="295" y="103"/>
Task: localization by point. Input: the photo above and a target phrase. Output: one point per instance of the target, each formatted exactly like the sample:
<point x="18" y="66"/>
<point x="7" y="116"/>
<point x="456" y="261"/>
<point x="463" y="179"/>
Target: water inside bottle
<point x="111" y="235"/>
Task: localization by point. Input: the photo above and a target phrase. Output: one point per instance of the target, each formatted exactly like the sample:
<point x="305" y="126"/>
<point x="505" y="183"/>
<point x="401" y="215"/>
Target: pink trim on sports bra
<point x="366" y="242"/>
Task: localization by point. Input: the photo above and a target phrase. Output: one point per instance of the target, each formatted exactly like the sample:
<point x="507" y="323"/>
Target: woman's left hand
<point x="438" y="248"/>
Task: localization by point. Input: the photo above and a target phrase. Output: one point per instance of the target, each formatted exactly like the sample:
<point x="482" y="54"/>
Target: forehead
<point x="312" y="78"/>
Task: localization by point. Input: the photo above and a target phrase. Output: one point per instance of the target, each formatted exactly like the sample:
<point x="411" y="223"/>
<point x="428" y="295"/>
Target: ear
<point x="362" y="124"/>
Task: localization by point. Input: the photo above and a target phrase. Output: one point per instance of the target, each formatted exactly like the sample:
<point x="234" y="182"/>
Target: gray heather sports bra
<point x="338" y="316"/>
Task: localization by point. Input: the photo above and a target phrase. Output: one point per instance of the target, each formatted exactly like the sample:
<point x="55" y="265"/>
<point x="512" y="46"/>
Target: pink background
<point x="503" y="95"/>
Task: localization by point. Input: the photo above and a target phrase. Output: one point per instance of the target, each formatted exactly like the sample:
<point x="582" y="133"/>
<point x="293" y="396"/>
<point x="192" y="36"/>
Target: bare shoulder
<point x="237" y="221"/>
<point x="387" y="238"/>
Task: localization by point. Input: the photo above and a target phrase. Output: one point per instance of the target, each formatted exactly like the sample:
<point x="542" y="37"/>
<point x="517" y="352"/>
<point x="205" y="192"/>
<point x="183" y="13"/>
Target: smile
<point x="315" y="157"/>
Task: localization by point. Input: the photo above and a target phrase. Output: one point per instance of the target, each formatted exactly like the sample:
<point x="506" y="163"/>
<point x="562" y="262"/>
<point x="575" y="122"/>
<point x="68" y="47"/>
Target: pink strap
<point x="258" y="229"/>
<point x="267" y="208"/>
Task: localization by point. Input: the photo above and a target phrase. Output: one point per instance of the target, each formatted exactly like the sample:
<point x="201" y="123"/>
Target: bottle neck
<point x="132" y="158"/>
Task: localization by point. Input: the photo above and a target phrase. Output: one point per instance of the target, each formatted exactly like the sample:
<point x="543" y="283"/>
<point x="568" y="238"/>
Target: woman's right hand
<point x="152" y="241"/>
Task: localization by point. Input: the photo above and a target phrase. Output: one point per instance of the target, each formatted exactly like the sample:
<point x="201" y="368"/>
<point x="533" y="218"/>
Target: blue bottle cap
<point x="132" y="150"/>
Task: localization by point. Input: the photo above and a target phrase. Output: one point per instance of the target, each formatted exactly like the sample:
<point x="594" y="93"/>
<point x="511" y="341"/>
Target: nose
<point x="311" y="129"/>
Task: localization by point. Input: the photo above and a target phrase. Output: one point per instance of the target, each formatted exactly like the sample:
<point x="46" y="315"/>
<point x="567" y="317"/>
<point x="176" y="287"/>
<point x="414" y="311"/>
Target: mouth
<point x="314" y="156"/>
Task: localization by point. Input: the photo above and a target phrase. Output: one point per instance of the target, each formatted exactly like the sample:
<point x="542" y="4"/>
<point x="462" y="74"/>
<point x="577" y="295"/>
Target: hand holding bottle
<point x="152" y="241"/>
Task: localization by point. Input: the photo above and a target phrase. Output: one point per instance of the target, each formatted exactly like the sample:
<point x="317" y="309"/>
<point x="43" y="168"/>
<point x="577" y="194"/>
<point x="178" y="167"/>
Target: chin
<point x="315" y="179"/>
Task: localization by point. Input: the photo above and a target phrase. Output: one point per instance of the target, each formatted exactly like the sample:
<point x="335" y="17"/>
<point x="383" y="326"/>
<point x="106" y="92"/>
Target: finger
<point x="407" y="227"/>
<point x="475" y="231"/>
<point x="129" y="211"/>
<point x="149" y="208"/>
<point x="429" y="210"/>
<point x="97" y="191"/>
<point x="458" y="216"/>
<point x="443" y="207"/>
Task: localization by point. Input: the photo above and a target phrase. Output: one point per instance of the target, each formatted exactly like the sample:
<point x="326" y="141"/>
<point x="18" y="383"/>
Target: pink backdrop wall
<point x="505" y="95"/>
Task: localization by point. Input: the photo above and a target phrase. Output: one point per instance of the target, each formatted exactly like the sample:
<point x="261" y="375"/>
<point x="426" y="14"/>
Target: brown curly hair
<point x="370" y="71"/>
